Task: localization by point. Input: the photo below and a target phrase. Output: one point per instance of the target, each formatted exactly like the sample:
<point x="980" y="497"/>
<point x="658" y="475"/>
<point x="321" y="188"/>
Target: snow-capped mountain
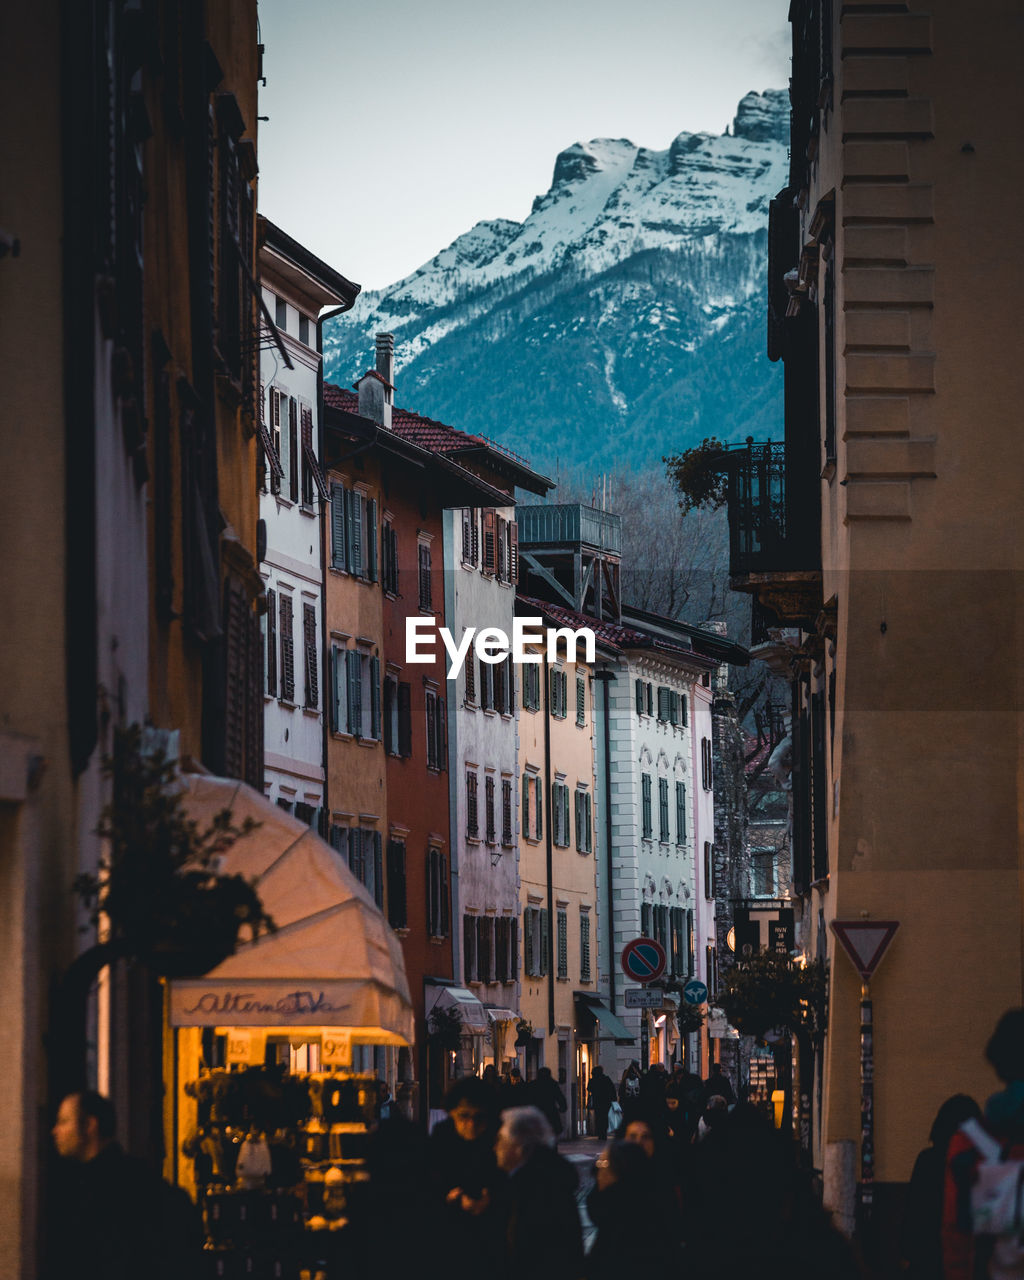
<point x="624" y="318"/>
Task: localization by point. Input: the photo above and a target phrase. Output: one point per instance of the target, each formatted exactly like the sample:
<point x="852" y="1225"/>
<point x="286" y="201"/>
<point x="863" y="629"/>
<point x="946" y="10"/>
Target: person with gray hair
<point x="542" y="1223"/>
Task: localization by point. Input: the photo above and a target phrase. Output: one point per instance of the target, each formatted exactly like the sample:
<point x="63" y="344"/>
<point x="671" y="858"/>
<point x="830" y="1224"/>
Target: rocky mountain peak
<point x="763" y="117"/>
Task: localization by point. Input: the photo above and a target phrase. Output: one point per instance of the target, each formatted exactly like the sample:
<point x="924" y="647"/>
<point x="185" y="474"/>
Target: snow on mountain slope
<point x="650" y="257"/>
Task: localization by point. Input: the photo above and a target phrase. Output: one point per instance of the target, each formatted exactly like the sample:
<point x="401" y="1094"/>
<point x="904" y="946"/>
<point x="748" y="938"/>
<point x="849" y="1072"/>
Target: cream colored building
<point x="557" y="869"/>
<point x="894" y="304"/>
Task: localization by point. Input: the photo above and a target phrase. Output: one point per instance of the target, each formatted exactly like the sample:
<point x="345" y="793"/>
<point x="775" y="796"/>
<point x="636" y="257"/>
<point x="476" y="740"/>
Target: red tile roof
<point x="611" y="635"/>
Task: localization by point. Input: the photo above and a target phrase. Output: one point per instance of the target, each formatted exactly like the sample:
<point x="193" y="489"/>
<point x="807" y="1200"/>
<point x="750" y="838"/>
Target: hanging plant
<point x="524" y="1032"/>
<point x="699" y="475"/>
<point x="689" y="1017"/>
<point x="158" y="886"/>
<point x="769" y="991"/>
<point x="446" y="1028"/>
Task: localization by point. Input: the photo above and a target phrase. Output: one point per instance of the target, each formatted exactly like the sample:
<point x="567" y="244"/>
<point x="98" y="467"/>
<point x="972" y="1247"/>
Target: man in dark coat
<point x="718" y="1085"/>
<point x="117" y="1219"/>
<point x="546" y="1095"/>
<point x="462" y="1170"/>
<point x="600" y="1096"/>
<point x="543" y="1239"/>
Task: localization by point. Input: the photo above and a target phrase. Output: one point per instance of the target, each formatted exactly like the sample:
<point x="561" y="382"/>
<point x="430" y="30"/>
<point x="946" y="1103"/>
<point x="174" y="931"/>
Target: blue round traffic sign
<point x="643" y="959"/>
<point x="695" y="992"/>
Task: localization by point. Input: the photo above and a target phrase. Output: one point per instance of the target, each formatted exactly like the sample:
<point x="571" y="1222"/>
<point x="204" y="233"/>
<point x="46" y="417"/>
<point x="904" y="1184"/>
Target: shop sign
<point x="644" y="998"/>
<point x="197" y="1004"/>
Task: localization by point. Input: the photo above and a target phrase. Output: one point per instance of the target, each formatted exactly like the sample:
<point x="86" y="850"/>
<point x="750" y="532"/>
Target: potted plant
<point x="445" y="1028"/>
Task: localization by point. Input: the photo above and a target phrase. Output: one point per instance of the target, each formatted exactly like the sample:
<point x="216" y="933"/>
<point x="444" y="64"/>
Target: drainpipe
<point x="325" y="666"/>
<point x="549" y="850"/>
<point x="607" y="677"/>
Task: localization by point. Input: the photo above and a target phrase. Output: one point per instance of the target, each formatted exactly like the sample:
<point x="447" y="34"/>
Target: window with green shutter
<point x="338" y="557"/>
<point x="355" y="693"/>
<point x="640" y="702"/>
<point x="371" y="539"/>
<point x="287" y="650"/>
<point x="663" y="829"/>
<point x="646" y="920"/>
<point x="525" y="820"/>
<point x="680" y="812"/>
<point x="397" y="905"/>
<point x="563" y="943"/>
<point x="585" y="975"/>
<point x="581" y="700"/>
<point x="374" y="664"/>
<point x="647" y="825"/>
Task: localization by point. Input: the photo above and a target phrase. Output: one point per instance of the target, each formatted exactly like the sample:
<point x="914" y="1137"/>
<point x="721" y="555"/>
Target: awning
<point x="609" y="1027"/>
<point x="333" y="962"/>
<point x="472" y="1013"/>
<point x="501" y="1015"/>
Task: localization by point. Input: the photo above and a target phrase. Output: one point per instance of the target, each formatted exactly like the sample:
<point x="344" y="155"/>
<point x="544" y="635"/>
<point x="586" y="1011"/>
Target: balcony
<point x="774" y="510"/>
<point x="569" y="524"/>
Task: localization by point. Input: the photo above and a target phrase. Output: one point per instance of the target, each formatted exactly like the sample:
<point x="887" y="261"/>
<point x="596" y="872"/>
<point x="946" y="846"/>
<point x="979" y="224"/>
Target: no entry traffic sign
<point x="643" y="959"/>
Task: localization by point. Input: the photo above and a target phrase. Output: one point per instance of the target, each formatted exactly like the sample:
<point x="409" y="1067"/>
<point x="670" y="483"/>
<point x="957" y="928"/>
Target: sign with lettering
<point x="644" y="998"/>
<point x="243" y="1047"/>
<point x="643" y="959"/>
<point x="336" y="1047"/>
<point x="202" y="1003"/>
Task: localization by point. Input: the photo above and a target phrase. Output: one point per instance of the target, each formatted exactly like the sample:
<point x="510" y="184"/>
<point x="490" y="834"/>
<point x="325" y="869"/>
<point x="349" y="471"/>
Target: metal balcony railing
<point x="569" y="523"/>
<point x="773" y="503"/>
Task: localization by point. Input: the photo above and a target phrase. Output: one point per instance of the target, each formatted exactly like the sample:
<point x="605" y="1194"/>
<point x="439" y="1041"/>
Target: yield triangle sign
<point x="865" y="941"/>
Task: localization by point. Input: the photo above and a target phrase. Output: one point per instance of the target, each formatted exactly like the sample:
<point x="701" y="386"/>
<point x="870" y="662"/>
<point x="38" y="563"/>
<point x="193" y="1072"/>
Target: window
<point x="762" y="872"/>
<point x="469" y="941"/>
<point x="502" y="702"/>
<point x="437" y="746"/>
<point x="707" y="776"/>
<point x="711" y="972"/>
<point x="389" y="558"/>
<point x="356" y="693"/>
<point x="485" y="948"/>
<point x="293" y="449"/>
<point x="437" y="894"/>
<point x="680" y="812"/>
<point x="304" y="330"/>
<point x="532" y="807"/>
<point x="677" y="937"/>
<point x="270" y="640"/>
<point x="585" y="945"/>
<point x="663" y="832"/>
<point x="472" y="813"/>
<point x="559" y="693"/>
<point x="709" y="870"/>
<point x="281" y="314"/>
<point x="560" y="814"/>
<point x="535" y="941"/>
<point x="312" y="651"/>
<point x="489" y="560"/>
<point x="312" y="476"/>
<point x="646" y="920"/>
<point x="486" y="685"/>
<point x="691" y="949"/>
<point x="504" y="970"/>
<point x="647" y="825"/>
<point x="361" y="849"/>
<point x="584" y="821"/>
<point x="309" y="814"/>
<point x="649" y="697"/>
<point x="397" y="903"/>
<point x="470" y="536"/>
<point x="531" y="686"/>
<point x="661" y="930"/>
<point x="581" y="699"/>
<point x="639" y="695"/>
<point x="491" y="831"/>
<point x="470" y="676"/>
<point x="353" y="532"/>
<point x="663" y="701"/>
<point x="506" y="811"/>
<point x="425" y="588"/>
<point x="287" y="649"/>
<point x="563" y="943"/>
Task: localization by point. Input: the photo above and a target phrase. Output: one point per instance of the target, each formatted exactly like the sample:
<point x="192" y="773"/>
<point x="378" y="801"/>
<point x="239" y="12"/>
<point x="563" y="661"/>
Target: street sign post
<point x="643" y="960"/>
<point x="865" y="942"/>
<point x="695" y="992"/>
<point x="644" y="997"/>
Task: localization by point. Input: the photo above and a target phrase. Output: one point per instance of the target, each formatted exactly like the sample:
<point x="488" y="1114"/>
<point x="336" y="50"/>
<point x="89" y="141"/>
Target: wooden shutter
<point x="506" y="811"/>
<point x="584" y="947"/>
<point x="663" y="810"/>
<point x="588" y="818"/>
<point x="578" y="817"/>
<point x="673" y="706"/>
<point x="312" y="476"/>
<point x="293" y="448"/>
<point x="649" y="693"/>
<point x="312" y="699"/>
<point x="682" y="710"/>
<point x="489" y="808"/>
<point x="490" y="542"/>
<point x="680" y="812"/>
<point x="538" y="792"/>
<point x="442" y="734"/>
<point x="271" y="655"/>
<point x="525" y="819"/>
<point x="565" y="814"/>
<point x="470" y="668"/>
<point x="646" y="929"/>
<point x="467" y="535"/>
<point x="357" y="505"/>
<point x="689" y="942"/>
<point x="475" y="536"/>
<point x="355" y="692"/>
<point x="581" y="699"/>
<point x="433" y="894"/>
<point x="501" y="554"/>
<point x="276" y="473"/>
<point x="545" y="942"/>
<point x="404" y="720"/>
<point x="529" y="960"/>
<point x="445" y="918"/>
<point x="339" y="676"/>
<point x="431" y="707"/>
<point x="375" y="698"/>
<point x="389" y="709"/>
<point x="424" y="576"/>
<point x="397" y="905"/>
<point x="338" y="557"/>
<point x="645" y="790"/>
<point x="513" y="552"/>
<point x="287" y="650"/>
<point x="472" y="815"/>
<point x="639" y="697"/>
<point x="371" y="539"/>
<point x="378" y="870"/>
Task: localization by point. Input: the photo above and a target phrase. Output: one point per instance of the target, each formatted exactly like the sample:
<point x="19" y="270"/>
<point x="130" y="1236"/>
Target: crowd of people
<point x="689" y="1181"/>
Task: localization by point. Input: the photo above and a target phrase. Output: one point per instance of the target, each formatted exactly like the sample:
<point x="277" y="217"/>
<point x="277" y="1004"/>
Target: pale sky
<point x="394" y="127"/>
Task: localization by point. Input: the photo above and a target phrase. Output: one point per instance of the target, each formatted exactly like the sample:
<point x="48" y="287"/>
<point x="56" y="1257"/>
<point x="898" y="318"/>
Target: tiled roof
<point x="430" y="434"/>
<point x="610" y="635"/>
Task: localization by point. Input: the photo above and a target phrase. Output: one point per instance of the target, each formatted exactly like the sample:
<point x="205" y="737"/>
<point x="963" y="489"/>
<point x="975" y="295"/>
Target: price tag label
<point x="336" y="1048"/>
<point x="243" y="1047"/>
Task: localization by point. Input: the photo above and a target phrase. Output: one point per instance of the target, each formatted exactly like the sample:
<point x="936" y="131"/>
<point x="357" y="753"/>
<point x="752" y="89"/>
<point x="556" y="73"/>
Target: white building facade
<point x="296" y="287"/>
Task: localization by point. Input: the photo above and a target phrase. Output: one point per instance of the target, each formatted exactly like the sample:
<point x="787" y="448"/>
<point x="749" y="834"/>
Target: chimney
<point x="386" y="361"/>
<point x="374" y="387"/>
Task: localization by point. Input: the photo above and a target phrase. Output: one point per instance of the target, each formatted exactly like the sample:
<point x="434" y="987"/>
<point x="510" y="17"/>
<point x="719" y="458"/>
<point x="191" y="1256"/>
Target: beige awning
<point x="333" y="961"/>
<point x="472" y="1013"/>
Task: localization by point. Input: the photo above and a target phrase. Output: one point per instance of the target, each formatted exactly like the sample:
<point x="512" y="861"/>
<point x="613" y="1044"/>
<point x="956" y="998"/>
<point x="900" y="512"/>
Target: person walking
<point x="625" y="1192"/>
<point x="984" y="1160"/>
<point x="462" y="1169"/>
<point x="629" y="1086"/>
<point x="718" y="1085"/>
<point x="542" y="1235"/>
<point x="546" y="1095"/>
<point x="600" y="1096"/>
<point x="922" y="1216"/>
<point x="118" y="1219"/>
